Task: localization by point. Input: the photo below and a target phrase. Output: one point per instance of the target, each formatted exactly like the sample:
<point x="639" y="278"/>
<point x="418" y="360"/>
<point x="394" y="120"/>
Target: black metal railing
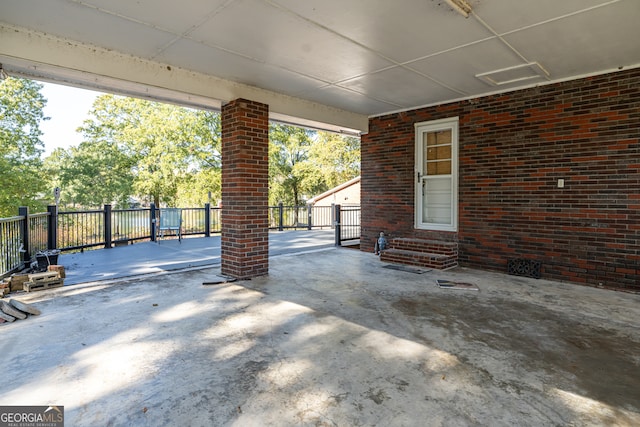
<point x="283" y="217"/>
<point x="38" y="232"/>
<point x="130" y="224"/>
<point x="214" y="223"/>
<point x="80" y="229"/>
<point x="305" y="217"/>
<point x="193" y="221"/>
<point x="347" y="224"/>
<point x="322" y="217"/>
<point x="22" y="236"/>
<point x="11" y="258"/>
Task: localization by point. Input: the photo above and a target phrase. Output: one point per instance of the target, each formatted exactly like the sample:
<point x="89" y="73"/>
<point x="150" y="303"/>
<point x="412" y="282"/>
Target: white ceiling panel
<point x="414" y="33"/>
<point x="45" y="17"/>
<point x="454" y="67"/>
<point x="86" y="24"/>
<point x="509" y="15"/>
<point x="279" y="37"/>
<point x="226" y="65"/>
<point x="584" y="43"/>
<point x="400" y="86"/>
<point x="349" y="100"/>
<point x="185" y="14"/>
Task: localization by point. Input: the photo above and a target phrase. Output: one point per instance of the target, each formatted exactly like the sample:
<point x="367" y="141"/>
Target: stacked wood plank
<point x="16" y="282"/>
<point x="42" y="281"/>
<point x="58" y="268"/>
<point x="5" y="288"/>
<point x="52" y="278"/>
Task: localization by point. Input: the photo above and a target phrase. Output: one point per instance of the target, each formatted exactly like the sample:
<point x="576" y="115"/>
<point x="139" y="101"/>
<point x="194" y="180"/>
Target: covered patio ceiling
<point x="322" y="63"/>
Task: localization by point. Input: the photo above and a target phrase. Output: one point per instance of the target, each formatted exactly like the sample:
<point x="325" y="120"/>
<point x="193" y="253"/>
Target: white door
<point x="437" y="175"/>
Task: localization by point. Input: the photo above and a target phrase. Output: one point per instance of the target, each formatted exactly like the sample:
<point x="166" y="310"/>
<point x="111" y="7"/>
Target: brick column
<point x="245" y="188"/>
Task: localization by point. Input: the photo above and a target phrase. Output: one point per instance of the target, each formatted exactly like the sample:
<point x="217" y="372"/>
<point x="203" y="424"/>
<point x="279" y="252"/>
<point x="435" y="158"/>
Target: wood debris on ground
<point x="13" y="310"/>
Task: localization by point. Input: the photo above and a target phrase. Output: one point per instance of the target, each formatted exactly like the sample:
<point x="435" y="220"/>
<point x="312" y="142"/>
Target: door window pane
<point x="436" y="207"/>
<point x="439" y="167"/>
<point x="437" y="152"/>
<point x="438" y="137"/>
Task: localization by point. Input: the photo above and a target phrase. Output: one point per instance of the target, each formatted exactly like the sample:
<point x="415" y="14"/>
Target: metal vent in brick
<point x="524" y="267"/>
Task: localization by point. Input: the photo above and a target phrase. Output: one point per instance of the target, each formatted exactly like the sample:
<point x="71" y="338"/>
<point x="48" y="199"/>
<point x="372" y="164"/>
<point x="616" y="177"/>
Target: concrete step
<point x="424" y="245"/>
<point x="421" y="259"/>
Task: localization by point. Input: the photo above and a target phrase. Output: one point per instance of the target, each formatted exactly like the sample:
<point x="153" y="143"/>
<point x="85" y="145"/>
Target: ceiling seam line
<point x="258" y="60"/>
<point x="223" y="49"/>
<point x="407" y="63"/>
<point x="428" y="77"/>
<point x="336" y="33"/>
<point x="558" y="18"/>
<point x="124" y="17"/>
<point x="381" y="55"/>
<point x="368" y="96"/>
<point x="176" y="36"/>
<point x="451" y="49"/>
<point x="356" y="91"/>
<point x="394" y="63"/>
<point x="488" y="27"/>
<point x="187" y="33"/>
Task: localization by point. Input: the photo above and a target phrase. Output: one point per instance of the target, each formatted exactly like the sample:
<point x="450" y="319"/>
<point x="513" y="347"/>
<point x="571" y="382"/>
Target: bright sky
<point x="68" y="107"/>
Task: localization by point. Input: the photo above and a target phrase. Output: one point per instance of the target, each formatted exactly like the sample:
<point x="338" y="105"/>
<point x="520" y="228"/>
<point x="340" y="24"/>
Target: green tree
<point x="52" y="166"/>
<point x="171" y="155"/>
<point x="304" y="163"/>
<point x="92" y="174"/>
<point x="21" y="111"/>
<point x="289" y="178"/>
<point x="336" y="156"/>
<point x="172" y="150"/>
<point x="199" y="144"/>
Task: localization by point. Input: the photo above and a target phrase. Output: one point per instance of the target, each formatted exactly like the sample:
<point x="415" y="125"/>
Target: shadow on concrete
<point x="329" y="338"/>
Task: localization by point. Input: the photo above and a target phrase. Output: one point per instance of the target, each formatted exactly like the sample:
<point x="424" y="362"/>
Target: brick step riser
<point x="433" y="249"/>
<point x="427" y="247"/>
<point x="420" y="260"/>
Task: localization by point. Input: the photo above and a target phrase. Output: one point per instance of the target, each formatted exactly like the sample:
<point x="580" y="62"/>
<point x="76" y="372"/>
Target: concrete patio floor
<point x="329" y="338"/>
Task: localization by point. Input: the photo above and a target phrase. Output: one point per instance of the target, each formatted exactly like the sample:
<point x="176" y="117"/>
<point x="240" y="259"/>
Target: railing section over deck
<point x="22" y="236"/>
<point x="347" y="223"/>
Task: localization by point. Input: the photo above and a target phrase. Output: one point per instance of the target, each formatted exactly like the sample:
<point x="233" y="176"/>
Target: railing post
<point x="280" y="216"/>
<point x="332" y="215"/>
<point x="309" y="215"/>
<point x="207" y="219"/>
<point x="336" y="210"/>
<point x="52" y="227"/>
<point x="152" y="221"/>
<point x="24" y="211"/>
<point x="107" y="226"/>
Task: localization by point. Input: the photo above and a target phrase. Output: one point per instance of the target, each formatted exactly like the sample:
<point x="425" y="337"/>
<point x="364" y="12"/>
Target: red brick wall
<point x="512" y="150"/>
<point x="245" y="188"/>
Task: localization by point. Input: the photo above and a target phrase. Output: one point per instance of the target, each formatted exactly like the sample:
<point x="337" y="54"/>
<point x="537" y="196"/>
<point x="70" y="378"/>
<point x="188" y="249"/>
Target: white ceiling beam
<point x="41" y="56"/>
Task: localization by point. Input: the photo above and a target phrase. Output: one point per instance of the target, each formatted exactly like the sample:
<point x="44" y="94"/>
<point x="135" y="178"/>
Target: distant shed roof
<point x="334" y="190"/>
